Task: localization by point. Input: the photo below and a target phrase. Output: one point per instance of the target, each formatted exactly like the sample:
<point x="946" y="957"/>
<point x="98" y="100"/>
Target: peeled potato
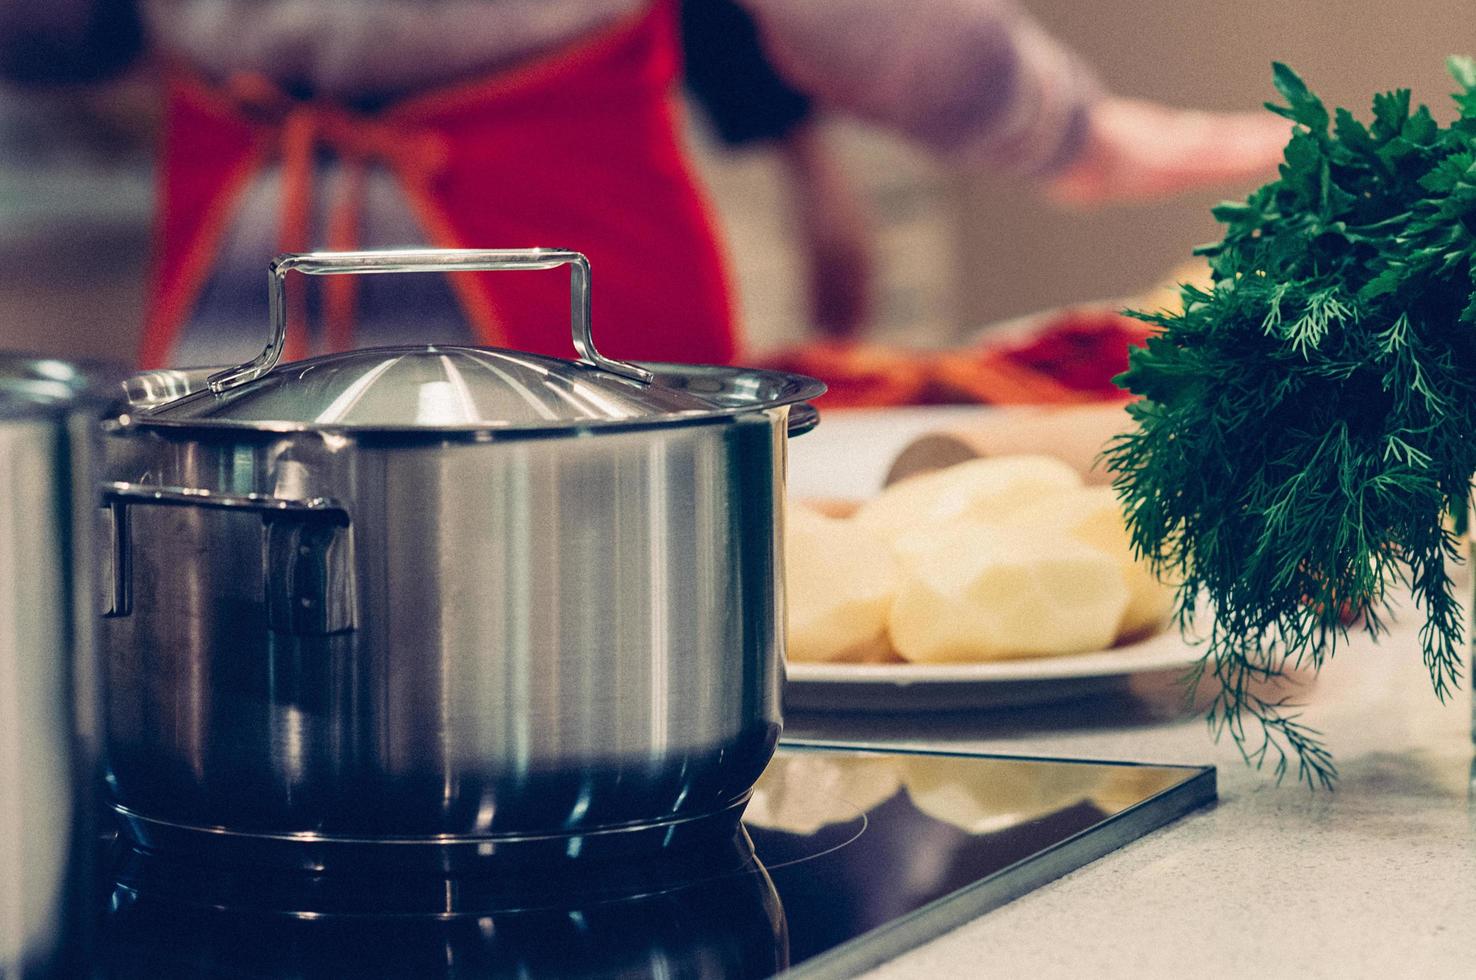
<point x="878" y="651"/>
<point x="915" y="545"/>
<point x="840" y="583"/>
<point x="981" y="490"/>
<point x="1094" y="516"/>
<point x="993" y="593"/>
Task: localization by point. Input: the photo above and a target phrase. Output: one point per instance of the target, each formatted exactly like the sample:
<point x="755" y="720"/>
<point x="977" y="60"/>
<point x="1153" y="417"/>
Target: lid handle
<point x="425" y="260"/>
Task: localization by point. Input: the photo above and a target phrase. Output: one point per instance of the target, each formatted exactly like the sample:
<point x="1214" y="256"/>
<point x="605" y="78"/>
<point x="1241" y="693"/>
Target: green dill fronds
<point x="1308" y="424"/>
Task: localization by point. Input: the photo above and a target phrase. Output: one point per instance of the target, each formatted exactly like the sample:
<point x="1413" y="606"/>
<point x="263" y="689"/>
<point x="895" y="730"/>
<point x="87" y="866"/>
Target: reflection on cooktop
<point x="848" y="857"/>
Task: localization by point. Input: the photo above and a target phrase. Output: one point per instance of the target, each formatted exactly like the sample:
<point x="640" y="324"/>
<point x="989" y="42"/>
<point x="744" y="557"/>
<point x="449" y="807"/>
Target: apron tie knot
<point x="299" y="128"/>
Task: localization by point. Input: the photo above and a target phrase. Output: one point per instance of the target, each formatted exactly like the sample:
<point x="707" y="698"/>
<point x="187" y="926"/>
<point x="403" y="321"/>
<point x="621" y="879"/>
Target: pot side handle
<point x="309" y="553"/>
<point x="426" y="260"/>
<point x="802" y="418"/>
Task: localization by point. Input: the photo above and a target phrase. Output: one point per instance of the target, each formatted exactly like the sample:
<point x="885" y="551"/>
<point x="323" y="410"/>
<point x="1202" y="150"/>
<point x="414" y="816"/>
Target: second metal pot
<point x="50" y="773"/>
<point x="478" y="601"/>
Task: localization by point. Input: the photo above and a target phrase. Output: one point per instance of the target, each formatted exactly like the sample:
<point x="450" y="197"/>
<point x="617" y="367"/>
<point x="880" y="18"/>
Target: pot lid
<point x="438" y="387"/>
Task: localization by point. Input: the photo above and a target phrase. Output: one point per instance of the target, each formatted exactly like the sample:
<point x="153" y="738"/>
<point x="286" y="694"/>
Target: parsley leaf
<point x="1306" y="435"/>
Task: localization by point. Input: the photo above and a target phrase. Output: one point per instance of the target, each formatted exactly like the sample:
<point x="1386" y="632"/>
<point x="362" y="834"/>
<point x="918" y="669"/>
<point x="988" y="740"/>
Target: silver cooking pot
<point x="469" y="602"/>
<point x="50" y="414"/>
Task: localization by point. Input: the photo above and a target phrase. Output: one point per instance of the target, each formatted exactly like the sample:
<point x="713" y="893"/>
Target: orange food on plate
<point x="1071" y="358"/>
<point x="860" y="375"/>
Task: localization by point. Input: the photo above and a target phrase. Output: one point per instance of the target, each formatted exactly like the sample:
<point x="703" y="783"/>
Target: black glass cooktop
<point x="849" y="856"/>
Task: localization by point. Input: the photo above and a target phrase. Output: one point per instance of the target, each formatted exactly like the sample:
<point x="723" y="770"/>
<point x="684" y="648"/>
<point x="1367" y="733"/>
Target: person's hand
<point x="835" y="234"/>
<point x="1139" y="151"/>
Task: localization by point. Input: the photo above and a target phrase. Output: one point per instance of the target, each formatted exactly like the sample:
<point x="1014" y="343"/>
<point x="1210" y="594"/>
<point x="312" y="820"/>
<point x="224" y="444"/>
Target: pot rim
<point x="786" y="390"/>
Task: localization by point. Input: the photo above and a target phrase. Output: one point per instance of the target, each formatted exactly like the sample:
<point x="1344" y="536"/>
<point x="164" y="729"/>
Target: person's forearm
<point x="976" y="79"/>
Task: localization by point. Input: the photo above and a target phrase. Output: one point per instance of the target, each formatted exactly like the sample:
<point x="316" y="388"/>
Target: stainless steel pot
<point x="479" y="601"/>
<point x="49" y="732"/>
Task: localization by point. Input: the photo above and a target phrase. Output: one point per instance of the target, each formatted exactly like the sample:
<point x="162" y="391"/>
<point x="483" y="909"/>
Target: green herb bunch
<point x="1306" y="435"/>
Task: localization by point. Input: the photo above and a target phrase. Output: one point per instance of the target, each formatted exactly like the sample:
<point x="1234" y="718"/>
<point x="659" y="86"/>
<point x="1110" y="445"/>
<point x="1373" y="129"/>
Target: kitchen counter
<point x="1377" y="878"/>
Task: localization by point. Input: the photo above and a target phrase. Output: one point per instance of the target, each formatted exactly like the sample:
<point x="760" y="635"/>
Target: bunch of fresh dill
<point x="1307" y="432"/>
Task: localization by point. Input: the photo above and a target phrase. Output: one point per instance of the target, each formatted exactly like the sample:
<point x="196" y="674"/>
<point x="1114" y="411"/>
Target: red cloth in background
<point x="1071" y="358"/>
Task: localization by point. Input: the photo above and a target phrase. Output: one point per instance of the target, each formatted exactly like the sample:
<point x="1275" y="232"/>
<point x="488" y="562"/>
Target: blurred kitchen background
<point x="954" y="251"/>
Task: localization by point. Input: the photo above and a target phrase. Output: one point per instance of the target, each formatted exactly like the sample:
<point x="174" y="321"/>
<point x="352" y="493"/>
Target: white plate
<point x="847" y="457"/>
<point x="952" y="687"/>
<point x="848" y="454"/>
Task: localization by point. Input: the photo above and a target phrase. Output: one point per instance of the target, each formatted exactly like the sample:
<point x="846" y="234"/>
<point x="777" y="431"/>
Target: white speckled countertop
<point x="1376" y="879"/>
<point x="1373" y="880"/>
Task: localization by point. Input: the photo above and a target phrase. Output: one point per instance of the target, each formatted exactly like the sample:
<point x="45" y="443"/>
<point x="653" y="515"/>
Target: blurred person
<point x="749" y="105"/>
<point x="296" y="124"/>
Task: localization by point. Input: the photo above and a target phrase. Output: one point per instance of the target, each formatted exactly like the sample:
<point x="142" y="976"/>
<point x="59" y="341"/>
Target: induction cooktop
<point x="848" y="855"/>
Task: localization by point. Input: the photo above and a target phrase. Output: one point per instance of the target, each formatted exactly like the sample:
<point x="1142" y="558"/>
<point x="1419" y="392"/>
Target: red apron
<point x="577" y="150"/>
